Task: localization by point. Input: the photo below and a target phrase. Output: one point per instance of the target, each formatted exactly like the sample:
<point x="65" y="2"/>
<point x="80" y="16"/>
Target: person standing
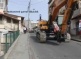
<point x="24" y="29"/>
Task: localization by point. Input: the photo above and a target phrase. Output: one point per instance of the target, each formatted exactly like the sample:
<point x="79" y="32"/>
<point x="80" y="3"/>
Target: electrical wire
<point x="25" y="4"/>
<point x="37" y="2"/>
<point x="17" y="3"/>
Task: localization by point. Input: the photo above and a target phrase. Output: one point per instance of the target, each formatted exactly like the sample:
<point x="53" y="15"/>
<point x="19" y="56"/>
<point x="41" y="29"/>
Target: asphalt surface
<point x="51" y="50"/>
<point x="1" y="57"/>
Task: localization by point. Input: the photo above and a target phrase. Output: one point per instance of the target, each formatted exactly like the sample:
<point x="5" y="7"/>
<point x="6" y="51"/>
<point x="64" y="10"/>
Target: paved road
<point x="1" y="57"/>
<point x="51" y="50"/>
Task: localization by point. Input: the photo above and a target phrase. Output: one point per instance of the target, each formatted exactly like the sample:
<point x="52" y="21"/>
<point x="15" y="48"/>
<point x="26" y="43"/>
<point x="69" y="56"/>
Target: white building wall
<point x="73" y="27"/>
<point x="28" y="24"/>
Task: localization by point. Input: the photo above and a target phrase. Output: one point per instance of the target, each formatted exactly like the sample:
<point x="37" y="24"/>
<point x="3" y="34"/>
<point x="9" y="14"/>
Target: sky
<point x="22" y="5"/>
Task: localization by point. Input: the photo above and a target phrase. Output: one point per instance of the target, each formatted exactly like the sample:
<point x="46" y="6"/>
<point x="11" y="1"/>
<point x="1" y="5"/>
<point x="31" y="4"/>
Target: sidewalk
<point x="76" y="38"/>
<point x="20" y="50"/>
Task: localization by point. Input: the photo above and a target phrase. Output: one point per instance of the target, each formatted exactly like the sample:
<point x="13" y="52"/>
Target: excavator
<point x="50" y="28"/>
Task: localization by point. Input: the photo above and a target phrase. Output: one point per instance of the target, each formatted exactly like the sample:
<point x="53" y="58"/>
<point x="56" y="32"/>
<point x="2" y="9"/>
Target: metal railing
<point x="9" y="39"/>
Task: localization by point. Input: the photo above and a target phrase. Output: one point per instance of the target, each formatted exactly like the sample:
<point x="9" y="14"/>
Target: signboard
<point x="79" y="23"/>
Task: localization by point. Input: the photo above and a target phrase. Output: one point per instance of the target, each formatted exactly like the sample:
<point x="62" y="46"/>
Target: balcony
<point x="51" y="3"/>
<point x="76" y="13"/>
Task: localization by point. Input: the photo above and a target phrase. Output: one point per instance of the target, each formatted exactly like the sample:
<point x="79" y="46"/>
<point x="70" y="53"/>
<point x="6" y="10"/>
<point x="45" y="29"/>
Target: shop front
<point x="75" y="28"/>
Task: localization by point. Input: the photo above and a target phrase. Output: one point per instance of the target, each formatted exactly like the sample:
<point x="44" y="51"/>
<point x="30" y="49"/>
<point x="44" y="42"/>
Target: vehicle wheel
<point x="58" y="36"/>
<point x="42" y="37"/>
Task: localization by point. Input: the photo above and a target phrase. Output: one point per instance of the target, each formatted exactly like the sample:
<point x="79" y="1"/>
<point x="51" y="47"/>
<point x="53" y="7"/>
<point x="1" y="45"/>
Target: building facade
<point x="9" y="22"/>
<point x="3" y="5"/>
<point x="75" y="27"/>
<point x="33" y="24"/>
<point x="28" y="24"/>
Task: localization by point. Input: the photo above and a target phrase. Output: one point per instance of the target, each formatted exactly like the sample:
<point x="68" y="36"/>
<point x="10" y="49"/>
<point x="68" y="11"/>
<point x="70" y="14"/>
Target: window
<point x="15" y="21"/>
<point x="8" y="20"/>
<point x="1" y="5"/>
<point x="0" y="19"/>
<point x="1" y="1"/>
<point x="60" y="19"/>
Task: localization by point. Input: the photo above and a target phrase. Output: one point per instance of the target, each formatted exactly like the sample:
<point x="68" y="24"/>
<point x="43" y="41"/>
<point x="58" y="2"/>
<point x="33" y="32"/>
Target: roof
<point x="11" y="16"/>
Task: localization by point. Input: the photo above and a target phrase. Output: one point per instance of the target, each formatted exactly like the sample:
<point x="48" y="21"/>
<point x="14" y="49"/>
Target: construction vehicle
<point x="47" y="28"/>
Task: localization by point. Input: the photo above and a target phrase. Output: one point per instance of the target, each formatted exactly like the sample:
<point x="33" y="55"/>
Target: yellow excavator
<point x="50" y="28"/>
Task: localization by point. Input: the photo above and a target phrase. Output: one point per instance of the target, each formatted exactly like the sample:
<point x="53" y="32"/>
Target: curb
<point x="11" y="48"/>
<point x="76" y="40"/>
<point x="32" y="54"/>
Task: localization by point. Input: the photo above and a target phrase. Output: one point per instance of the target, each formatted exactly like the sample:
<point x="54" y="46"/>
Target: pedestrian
<point x="24" y="29"/>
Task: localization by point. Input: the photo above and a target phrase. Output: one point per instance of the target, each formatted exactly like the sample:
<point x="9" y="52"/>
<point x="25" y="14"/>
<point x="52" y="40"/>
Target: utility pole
<point x="0" y="44"/>
<point x="40" y="17"/>
<point x="29" y="14"/>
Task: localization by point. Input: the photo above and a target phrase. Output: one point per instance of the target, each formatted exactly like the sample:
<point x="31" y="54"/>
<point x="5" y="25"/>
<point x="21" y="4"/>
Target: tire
<point x="42" y="37"/>
<point x="58" y="37"/>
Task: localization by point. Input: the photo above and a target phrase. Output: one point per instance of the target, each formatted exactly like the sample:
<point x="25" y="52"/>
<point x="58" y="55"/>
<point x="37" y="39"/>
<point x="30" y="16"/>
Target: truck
<point x="52" y="28"/>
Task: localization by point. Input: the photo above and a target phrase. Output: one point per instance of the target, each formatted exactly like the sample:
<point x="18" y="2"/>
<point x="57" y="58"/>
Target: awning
<point x="15" y="17"/>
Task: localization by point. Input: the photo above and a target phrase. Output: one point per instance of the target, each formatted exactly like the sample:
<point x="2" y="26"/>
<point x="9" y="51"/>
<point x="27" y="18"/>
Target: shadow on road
<point x="52" y="42"/>
<point x="34" y="39"/>
<point x="49" y="42"/>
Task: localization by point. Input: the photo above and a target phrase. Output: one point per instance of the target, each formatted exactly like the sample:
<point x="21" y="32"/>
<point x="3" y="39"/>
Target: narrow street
<point x="22" y="20"/>
<point x="50" y="50"/>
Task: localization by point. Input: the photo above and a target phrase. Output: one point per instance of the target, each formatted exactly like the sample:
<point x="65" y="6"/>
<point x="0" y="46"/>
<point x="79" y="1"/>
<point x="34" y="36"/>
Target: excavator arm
<point x="67" y="13"/>
<point x="57" y="5"/>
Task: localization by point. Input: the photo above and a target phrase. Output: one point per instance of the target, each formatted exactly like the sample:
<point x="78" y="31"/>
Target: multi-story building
<point x="7" y="20"/>
<point x="3" y="5"/>
<point x="76" y="21"/>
